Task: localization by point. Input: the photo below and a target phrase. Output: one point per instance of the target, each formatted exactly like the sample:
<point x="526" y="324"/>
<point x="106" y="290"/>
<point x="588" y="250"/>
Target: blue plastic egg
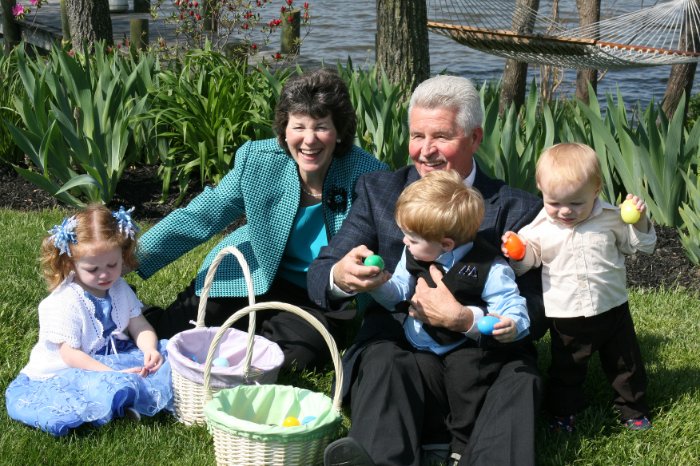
<point x="486" y="324"/>
<point x="220" y="362"/>
<point x="307" y="419"/>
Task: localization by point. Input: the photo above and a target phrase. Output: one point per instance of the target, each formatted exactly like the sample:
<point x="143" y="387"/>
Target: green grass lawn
<point x="667" y="327"/>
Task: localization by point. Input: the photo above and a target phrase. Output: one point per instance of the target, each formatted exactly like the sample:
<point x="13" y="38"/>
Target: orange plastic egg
<point x="515" y="247"/>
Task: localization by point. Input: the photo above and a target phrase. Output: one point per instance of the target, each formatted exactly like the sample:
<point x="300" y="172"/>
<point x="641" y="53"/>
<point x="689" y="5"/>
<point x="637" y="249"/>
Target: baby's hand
<point x="152" y="360"/>
<point x="505" y="330"/>
<point x="512" y="246"/>
<point x="638" y="203"/>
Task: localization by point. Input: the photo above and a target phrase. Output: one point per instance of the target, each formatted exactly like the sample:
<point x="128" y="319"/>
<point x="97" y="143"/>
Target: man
<point x="396" y="392"/>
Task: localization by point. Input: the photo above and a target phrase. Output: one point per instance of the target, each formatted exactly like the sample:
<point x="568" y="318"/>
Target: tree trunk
<point x="514" y="80"/>
<point x="680" y="80"/>
<point x="12" y="34"/>
<point x="89" y="21"/>
<point x="682" y="75"/>
<point x="588" y="13"/>
<point x="402" y="41"/>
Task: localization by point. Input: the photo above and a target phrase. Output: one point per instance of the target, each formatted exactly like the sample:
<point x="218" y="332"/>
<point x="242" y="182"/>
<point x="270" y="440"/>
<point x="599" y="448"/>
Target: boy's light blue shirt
<point x="500" y="294"/>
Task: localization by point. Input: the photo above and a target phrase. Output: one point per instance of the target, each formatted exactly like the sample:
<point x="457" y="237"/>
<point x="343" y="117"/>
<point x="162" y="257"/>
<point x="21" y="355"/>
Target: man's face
<point x="439" y="143"/>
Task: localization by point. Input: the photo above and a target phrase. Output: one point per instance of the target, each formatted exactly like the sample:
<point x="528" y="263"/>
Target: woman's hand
<point x="438" y="307"/>
<point x="352" y="276"/>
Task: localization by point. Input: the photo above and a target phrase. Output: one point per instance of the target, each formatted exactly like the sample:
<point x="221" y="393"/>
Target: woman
<point x="295" y="191"/>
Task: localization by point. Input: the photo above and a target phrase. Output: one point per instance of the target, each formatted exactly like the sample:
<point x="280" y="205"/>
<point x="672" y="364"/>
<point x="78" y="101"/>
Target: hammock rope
<point x="664" y="34"/>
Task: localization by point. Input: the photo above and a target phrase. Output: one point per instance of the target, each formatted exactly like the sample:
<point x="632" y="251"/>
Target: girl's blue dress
<point x="75" y="396"/>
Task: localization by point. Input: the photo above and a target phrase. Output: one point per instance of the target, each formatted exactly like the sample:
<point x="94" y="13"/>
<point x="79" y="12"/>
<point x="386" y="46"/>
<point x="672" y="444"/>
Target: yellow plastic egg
<point x="290" y="421"/>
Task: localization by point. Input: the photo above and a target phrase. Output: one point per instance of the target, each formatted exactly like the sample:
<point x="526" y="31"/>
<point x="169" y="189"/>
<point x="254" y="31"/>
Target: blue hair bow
<point x="126" y="225"/>
<point x="63" y="235"/>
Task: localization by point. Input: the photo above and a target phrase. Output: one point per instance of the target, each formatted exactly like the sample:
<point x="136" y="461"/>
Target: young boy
<point x="580" y="241"/>
<point x="440" y="216"/>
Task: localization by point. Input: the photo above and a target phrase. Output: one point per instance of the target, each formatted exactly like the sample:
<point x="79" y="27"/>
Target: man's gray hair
<point x="445" y="91"/>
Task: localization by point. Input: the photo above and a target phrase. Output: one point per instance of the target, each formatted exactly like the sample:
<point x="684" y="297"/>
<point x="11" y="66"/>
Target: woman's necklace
<point x="315" y="196"/>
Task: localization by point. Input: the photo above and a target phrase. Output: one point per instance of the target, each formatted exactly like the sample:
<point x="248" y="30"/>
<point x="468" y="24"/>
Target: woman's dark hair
<point x="318" y="94"/>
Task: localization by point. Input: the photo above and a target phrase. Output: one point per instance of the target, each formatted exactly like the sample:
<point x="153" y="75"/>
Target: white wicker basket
<point x="234" y="445"/>
<point x="190" y="396"/>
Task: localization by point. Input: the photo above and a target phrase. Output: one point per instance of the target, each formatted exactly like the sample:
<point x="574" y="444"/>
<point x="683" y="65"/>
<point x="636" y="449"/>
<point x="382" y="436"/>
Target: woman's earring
<point x="337" y="141"/>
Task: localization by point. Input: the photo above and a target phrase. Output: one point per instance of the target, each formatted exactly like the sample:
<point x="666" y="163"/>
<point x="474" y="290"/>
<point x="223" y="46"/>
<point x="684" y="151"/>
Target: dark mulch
<point x="667" y="267"/>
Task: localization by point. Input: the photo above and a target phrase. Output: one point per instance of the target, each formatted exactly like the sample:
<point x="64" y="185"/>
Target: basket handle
<point x="209" y="279"/>
<point x="276" y="305"/>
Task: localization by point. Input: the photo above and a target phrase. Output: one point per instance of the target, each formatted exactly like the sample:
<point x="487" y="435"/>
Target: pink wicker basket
<point x="252" y="358"/>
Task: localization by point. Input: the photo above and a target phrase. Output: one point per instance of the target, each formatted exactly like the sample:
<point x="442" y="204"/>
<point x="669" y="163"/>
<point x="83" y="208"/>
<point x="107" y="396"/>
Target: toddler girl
<point x="97" y="357"/>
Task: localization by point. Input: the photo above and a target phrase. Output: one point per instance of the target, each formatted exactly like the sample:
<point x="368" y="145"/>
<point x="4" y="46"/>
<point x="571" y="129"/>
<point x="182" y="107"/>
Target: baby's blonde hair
<point x="96" y="229"/>
<point x="440" y="205"/>
<point x="566" y="164"/>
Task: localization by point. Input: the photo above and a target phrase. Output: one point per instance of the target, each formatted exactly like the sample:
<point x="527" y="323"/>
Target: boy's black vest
<point x="465" y="280"/>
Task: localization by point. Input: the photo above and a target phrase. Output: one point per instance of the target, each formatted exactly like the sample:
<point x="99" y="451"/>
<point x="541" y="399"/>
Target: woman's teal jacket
<point x="264" y="186"/>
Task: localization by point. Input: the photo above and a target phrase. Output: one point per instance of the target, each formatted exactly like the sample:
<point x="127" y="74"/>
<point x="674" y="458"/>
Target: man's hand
<point x="352" y="276"/>
<point x="437" y="306"/>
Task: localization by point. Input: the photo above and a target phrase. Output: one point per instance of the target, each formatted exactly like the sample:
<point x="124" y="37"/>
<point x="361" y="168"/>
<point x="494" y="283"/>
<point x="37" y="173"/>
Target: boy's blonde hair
<point x="96" y="230"/>
<point x="440" y="205"/>
<point x="568" y="163"/>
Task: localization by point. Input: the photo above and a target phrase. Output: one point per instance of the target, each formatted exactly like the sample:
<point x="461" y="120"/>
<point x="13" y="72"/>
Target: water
<point x="347" y="29"/>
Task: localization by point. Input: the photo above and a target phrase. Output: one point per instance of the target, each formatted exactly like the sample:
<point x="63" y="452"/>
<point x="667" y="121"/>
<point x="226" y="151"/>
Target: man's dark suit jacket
<point x="371" y="222"/>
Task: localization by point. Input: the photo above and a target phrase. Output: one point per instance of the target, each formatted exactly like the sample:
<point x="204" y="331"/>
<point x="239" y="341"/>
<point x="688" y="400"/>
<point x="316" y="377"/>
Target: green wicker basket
<point x="245" y="421"/>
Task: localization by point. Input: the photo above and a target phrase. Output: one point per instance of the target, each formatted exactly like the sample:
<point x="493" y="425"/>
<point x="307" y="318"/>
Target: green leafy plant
<point x="689" y="231"/>
<point x="382" y="113"/>
<point x="513" y="141"/>
<point x="78" y="113"/>
<point x="11" y="87"/>
<point x="203" y="111"/>
<point x="647" y="156"/>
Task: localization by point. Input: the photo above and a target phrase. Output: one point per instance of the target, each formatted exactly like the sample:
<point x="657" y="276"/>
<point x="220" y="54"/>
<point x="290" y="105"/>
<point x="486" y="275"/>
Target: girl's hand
<point x="152" y="360"/>
<point x="135" y="370"/>
<point x="505" y="330"/>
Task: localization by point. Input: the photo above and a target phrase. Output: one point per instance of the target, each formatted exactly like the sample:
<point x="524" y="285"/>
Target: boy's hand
<point x="504" y="331"/>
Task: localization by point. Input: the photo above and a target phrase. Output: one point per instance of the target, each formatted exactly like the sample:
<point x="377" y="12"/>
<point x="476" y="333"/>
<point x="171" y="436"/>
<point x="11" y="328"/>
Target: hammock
<point x="665" y="34"/>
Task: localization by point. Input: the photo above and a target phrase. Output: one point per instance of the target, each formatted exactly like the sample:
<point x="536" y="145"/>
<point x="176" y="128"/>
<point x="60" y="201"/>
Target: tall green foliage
<point x="79" y="112"/>
<point x="689" y="231"/>
<point x="647" y="156"/>
<point x="382" y="114"/>
<point x="11" y="87"/>
<point x="203" y="110"/>
<point x="513" y="141"/>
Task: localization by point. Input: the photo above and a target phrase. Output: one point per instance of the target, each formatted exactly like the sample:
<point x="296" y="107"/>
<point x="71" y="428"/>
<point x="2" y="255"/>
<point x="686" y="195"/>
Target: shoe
<point x="564" y="424"/>
<point x="640" y="423"/>
<point x="132" y="414"/>
<point x="346" y="452"/>
<point x="454" y="459"/>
